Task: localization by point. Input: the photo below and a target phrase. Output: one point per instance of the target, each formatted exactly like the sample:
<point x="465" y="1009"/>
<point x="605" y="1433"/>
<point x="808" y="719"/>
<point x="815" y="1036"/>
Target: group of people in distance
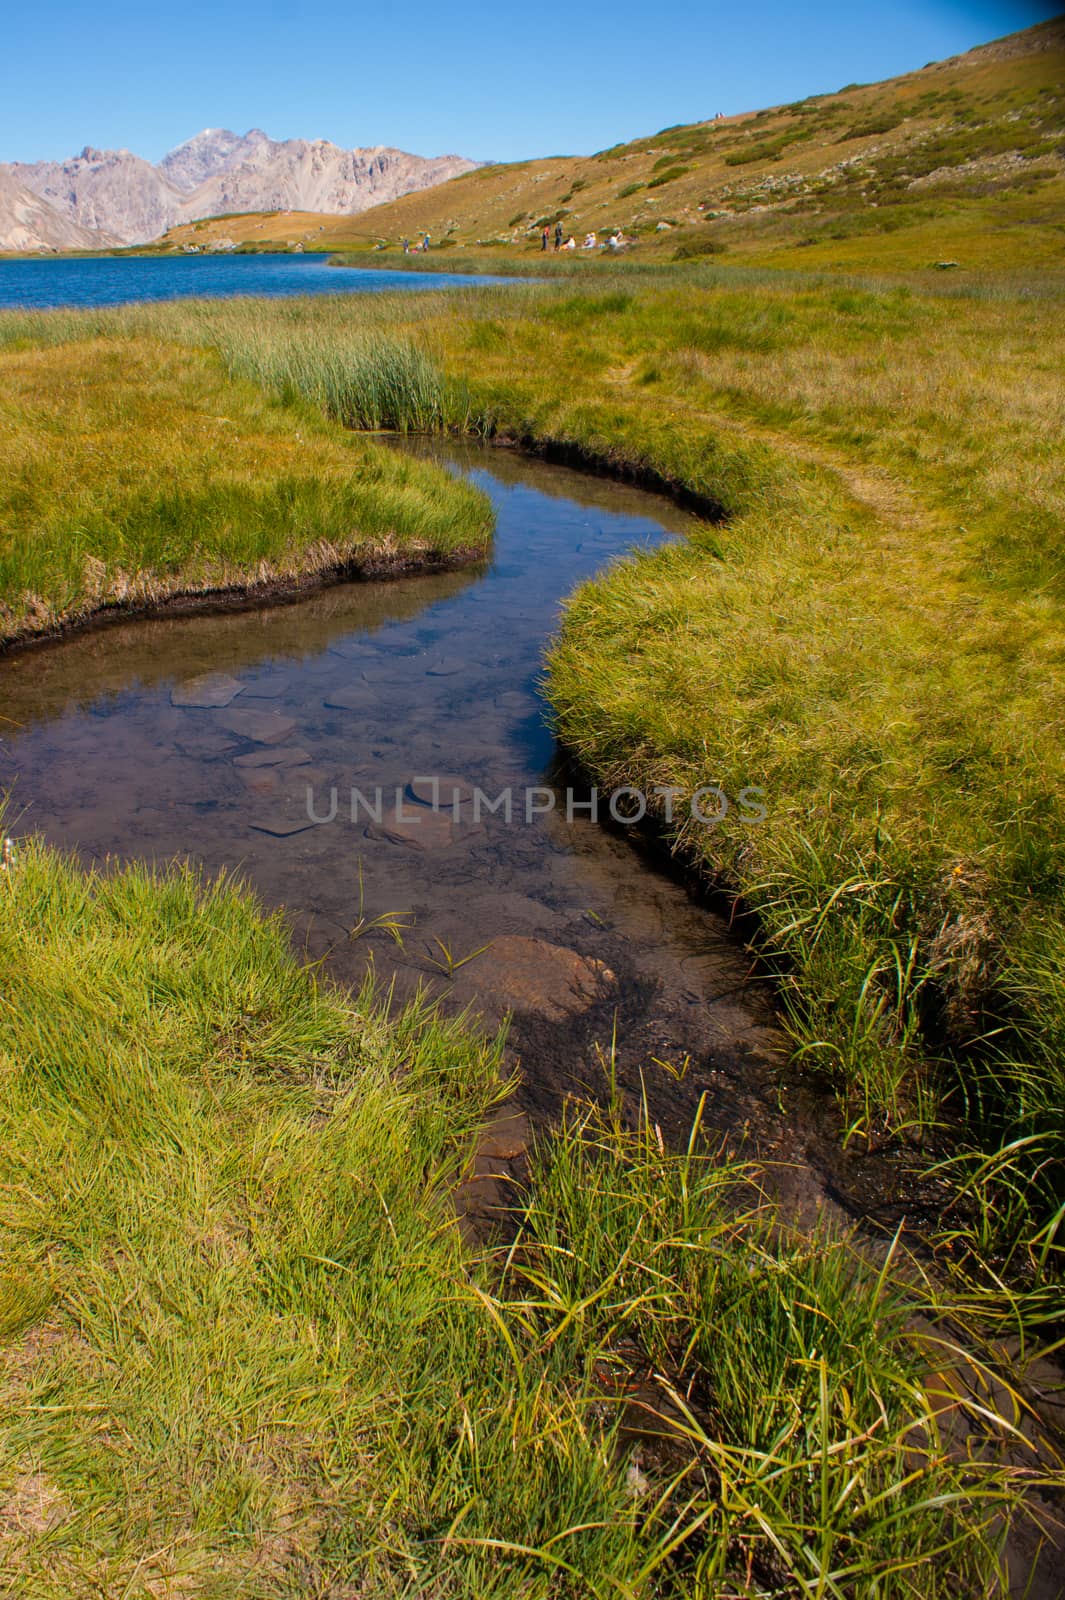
<point x="591" y="240"/>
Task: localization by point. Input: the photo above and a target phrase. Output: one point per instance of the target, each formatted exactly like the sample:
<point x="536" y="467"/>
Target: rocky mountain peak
<point x="218" y="171"/>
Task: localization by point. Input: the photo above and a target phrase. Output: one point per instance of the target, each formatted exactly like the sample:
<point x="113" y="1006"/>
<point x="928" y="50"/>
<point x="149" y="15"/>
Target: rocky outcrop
<point x="217" y="172"/>
<point x="112" y="191"/>
<point x="208" y="154"/>
<point x="29" y="223"/>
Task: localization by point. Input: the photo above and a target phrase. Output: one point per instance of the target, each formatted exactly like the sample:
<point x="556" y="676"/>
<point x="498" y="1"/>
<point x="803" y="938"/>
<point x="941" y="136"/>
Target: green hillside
<point x="962" y="160"/>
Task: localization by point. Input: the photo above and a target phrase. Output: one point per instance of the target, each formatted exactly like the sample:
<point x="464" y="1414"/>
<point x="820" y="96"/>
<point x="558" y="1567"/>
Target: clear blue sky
<point x="493" y="81"/>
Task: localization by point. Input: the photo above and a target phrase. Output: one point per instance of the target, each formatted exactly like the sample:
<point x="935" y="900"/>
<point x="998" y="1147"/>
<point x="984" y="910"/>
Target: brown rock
<point x="442" y="794"/>
<point x="209" y="691"/>
<point x="523" y="974"/>
<point x="413" y="826"/>
<point x="506" y="1138"/>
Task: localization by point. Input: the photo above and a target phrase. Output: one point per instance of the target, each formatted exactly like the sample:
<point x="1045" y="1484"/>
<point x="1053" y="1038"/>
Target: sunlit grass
<point x="873" y="633"/>
<point x="134" y="468"/>
<point x="243" y="1350"/>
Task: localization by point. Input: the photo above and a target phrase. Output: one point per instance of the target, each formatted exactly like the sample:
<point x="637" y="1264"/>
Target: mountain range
<point x="107" y="197"/>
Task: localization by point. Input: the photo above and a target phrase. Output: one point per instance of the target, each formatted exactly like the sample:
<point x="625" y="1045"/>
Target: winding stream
<point x="122" y="750"/>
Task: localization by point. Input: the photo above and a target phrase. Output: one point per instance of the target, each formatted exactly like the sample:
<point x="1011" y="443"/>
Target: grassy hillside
<point x="963" y="160"/>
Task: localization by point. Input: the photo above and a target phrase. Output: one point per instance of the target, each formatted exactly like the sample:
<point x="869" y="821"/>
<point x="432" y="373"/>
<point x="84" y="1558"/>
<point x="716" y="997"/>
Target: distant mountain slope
<point x="113" y="190"/>
<point x="218" y="171"/>
<point x="29" y="223"/>
<point x="208" y="154"/>
<point x="963" y="156"/>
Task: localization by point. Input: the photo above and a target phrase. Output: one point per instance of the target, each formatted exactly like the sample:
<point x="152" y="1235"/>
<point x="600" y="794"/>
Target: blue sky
<point x="486" y="80"/>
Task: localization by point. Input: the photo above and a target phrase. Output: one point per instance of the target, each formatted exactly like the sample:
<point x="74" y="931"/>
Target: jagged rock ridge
<point x="216" y="172"/>
<point x="29" y="223"/>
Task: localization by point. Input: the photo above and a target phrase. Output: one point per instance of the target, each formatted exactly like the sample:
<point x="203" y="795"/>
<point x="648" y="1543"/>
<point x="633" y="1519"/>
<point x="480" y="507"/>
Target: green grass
<point x="872" y="634"/>
<point x="244" y="1352"/>
<point x="134" y="468"/>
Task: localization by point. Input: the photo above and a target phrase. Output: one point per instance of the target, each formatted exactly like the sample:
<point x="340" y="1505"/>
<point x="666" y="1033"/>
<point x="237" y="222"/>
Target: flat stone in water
<point x="421" y="830"/>
<point x="355" y="699"/>
<point x="207" y="692"/>
<point x="205" y="746"/>
<point x="261" y="727"/>
<point x="441" y="792"/>
<point x="270" y="688"/>
<point x="286" y="755"/>
<point x="523" y="974"/>
<point x="521" y="700"/>
<point x="353" y="650"/>
<point x="282" y="826"/>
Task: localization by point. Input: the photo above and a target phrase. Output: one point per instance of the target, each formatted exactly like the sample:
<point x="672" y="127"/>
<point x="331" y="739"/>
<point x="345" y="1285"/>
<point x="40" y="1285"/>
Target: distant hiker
<point x="545" y="235"/>
<point x="558" y="236"/>
<point x="616" y="239"/>
<point x="570" y="244"/>
<point x="406" y="247"/>
<point x="590" y="242"/>
<point x="425" y="241"/>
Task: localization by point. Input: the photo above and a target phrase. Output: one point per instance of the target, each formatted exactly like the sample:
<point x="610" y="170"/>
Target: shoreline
<point x="280" y="589"/>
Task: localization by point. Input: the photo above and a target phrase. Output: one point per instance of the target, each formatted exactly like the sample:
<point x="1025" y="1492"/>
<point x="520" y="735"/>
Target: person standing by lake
<point x="425" y="241"/>
<point x="558" y="235"/>
<point x="545" y="234"/>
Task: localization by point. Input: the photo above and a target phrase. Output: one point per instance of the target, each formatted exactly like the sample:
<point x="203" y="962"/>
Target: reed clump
<point x="366" y="381"/>
<point x="135" y="468"/>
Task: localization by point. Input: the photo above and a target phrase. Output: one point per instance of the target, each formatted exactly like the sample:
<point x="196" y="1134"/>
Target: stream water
<point x="200" y="737"/>
<point x="122" y="750"/>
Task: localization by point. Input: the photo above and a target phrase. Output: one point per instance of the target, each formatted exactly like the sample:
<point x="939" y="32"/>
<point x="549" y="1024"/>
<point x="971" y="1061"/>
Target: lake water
<point x="52" y="281"/>
<point x="374" y="685"/>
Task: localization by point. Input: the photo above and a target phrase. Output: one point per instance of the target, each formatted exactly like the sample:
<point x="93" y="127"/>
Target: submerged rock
<point x="282" y="825"/>
<point x="414" y="826"/>
<point x="270" y="688"/>
<point x="286" y="755"/>
<point x="524" y="974"/>
<point x="442" y="792"/>
<point x="350" y="699"/>
<point x="261" y="727"/>
<point x="207" y="692"/>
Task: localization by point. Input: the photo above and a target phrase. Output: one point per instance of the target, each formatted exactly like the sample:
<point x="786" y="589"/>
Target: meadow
<point x="243" y="1350"/>
<point x="869" y="627"/>
<point x="134" y="471"/>
<point x="867" y="624"/>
